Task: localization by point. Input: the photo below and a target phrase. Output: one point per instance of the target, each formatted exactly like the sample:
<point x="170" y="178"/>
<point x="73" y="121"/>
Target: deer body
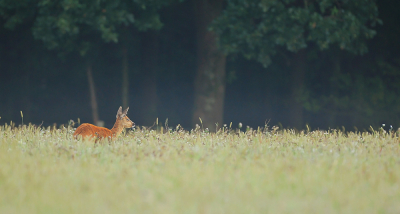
<point x="87" y="130"/>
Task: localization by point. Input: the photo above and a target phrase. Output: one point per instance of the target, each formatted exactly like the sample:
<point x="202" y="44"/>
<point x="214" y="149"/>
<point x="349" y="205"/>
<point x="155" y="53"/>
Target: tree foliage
<point x="71" y="25"/>
<point x="257" y="28"/>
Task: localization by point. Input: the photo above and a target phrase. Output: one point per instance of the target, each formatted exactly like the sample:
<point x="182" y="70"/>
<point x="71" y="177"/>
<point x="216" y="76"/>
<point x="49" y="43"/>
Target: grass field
<point x="260" y="171"/>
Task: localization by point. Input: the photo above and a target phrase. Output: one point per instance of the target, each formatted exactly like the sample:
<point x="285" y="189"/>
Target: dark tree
<point x="81" y="26"/>
<point x="210" y="75"/>
<point x="259" y="29"/>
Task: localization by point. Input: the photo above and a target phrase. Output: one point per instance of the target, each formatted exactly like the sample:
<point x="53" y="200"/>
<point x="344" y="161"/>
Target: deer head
<point x="125" y="121"/>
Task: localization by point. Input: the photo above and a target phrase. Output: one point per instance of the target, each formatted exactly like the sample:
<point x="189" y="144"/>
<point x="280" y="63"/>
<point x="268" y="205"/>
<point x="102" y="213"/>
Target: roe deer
<point x="87" y="130"/>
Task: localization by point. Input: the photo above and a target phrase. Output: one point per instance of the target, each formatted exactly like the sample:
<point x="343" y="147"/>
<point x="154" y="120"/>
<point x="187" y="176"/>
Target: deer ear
<point x="125" y="112"/>
<point x="119" y="112"/>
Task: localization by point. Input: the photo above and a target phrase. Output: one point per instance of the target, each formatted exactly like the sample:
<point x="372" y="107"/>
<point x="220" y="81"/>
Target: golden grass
<point x="46" y="171"/>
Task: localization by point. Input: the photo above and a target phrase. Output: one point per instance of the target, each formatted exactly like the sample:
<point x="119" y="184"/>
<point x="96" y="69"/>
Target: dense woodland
<point x="328" y="64"/>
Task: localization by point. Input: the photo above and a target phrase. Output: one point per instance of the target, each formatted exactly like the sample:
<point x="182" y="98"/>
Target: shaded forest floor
<point x="45" y="170"/>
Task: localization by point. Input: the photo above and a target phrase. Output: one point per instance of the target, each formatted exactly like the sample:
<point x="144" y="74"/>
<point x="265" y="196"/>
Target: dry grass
<point x="44" y="171"/>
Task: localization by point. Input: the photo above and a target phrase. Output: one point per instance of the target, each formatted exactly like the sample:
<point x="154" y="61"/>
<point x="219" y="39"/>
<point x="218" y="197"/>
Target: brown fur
<point x="87" y="130"/>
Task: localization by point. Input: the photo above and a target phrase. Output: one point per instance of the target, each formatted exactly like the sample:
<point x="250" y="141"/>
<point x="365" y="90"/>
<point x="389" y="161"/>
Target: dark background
<point x="54" y="89"/>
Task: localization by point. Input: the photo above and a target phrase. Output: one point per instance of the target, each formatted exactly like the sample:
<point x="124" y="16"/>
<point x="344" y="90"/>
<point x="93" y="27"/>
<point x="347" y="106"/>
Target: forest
<point x="291" y="63"/>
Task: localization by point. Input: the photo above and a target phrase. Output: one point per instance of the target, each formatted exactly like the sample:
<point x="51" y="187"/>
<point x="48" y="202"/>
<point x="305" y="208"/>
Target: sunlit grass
<point x="264" y="171"/>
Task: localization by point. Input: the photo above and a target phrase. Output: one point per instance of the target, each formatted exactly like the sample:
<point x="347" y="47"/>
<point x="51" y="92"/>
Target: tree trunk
<point x="209" y="85"/>
<point x="336" y="70"/>
<point x="150" y="41"/>
<point x="297" y="80"/>
<point x="92" y="90"/>
<point x="26" y="98"/>
<point x="125" y="78"/>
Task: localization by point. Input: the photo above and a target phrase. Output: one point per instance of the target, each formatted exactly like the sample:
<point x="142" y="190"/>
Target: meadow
<point x="45" y="170"/>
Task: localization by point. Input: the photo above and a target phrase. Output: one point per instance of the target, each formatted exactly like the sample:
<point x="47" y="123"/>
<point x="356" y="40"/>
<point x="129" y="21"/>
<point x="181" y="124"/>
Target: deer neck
<point x="117" y="128"/>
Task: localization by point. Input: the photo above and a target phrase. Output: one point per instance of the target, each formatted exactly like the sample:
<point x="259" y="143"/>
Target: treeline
<point x="326" y="63"/>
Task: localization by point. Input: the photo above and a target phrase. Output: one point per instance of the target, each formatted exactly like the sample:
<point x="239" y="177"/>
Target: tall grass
<point x="145" y="171"/>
